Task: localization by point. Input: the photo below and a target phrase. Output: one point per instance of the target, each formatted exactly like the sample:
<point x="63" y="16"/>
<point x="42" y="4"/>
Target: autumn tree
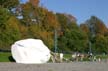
<point x="9" y="4"/>
<point x="96" y="26"/>
<point x="4" y="17"/>
<point x="34" y="2"/>
<point x="62" y="19"/>
<point x="9" y="30"/>
<point x="101" y="44"/>
<point x="85" y="28"/>
<point x="50" y="21"/>
<point x="39" y="23"/>
<point x="72" y="39"/>
<point x="96" y="31"/>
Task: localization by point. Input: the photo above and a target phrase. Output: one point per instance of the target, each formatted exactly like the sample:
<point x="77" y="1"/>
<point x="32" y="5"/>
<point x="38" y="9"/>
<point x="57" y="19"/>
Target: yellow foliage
<point x="12" y="23"/>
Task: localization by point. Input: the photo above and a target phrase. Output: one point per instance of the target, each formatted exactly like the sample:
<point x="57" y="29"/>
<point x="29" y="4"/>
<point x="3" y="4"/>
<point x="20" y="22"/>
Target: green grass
<point x="68" y="56"/>
<point x="102" y="56"/>
<point x="5" y="57"/>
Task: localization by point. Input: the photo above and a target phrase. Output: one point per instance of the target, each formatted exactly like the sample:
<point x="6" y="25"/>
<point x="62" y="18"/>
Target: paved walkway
<point x="74" y="66"/>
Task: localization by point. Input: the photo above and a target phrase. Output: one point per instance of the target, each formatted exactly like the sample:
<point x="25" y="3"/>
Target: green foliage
<point x="9" y="4"/>
<point x="39" y="33"/>
<point x="9" y="30"/>
<point x="9" y="36"/>
<point x="96" y="26"/>
<point x="4" y="16"/>
<point x="62" y="19"/>
<point x="96" y="31"/>
<point x="39" y="23"/>
<point x="73" y="39"/>
<point x="101" y="44"/>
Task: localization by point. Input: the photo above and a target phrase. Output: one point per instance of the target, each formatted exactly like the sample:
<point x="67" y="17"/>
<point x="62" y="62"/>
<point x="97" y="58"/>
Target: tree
<point x="9" y="30"/>
<point x="101" y="44"/>
<point x="62" y="19"/>
<point x="34" y="2"/>
<point x="9" y="4"/>
<point x="72" y="39"/>
<point x="85" y="28"/>
<point x="97" y="33"/>
<point x="4" y="17"/>
<point x="96" y="26"/>
<point x="39" y="22"/>
<point x="50" y="22"/>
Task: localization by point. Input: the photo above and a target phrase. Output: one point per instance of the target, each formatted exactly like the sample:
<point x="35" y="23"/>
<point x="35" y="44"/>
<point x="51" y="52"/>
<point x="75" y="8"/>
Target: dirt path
<point x="74" y="66"/>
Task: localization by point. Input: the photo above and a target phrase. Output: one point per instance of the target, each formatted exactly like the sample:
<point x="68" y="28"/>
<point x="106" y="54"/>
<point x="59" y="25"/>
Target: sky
<point x="81" y="9"/>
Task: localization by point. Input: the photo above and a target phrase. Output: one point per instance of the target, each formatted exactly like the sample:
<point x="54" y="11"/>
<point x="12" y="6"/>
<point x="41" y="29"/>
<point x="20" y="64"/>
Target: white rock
<point x="30" y="51"/>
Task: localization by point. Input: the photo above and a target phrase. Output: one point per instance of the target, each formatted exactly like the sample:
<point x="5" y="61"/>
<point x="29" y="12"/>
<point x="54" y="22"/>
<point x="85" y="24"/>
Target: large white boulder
<point x="30" y="51"/>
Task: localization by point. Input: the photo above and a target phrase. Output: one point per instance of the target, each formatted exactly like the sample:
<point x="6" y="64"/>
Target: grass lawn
<point x="5" y="57"/>
<point x="102" y="56"/>
<point x="68" y="56"/>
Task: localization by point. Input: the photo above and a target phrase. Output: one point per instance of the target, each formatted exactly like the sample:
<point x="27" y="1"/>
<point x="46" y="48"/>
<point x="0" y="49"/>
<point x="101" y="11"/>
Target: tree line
<point x="30" y="20"/>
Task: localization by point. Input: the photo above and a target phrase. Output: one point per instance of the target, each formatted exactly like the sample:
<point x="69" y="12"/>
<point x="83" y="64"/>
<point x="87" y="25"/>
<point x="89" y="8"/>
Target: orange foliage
<point x="51" y="20"/>
<point x="26" y="6"/>
<point x="84" y="28"/>
<point x="34" y="2"/>
<point x="101" y="28"/>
